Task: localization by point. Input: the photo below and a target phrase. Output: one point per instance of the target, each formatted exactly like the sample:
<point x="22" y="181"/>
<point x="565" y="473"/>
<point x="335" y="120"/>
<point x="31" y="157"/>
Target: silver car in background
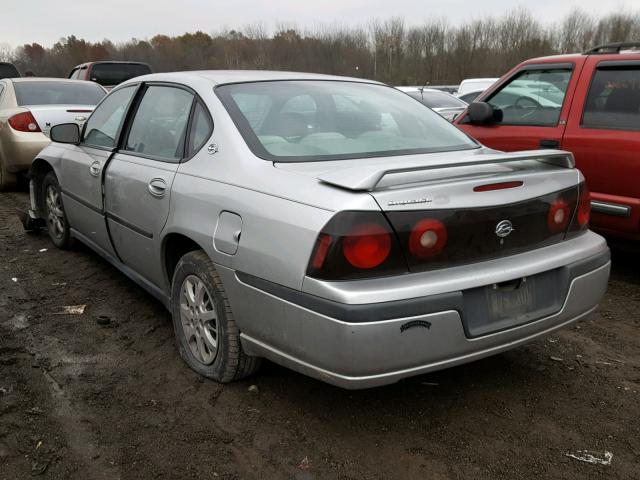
<point x="331" y="225"/>
<point x="28" y="108"/>
<point x="443" y="103"/>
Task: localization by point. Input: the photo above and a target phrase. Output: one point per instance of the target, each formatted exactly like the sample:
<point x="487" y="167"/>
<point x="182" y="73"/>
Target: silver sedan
<point x="332" y="225"/>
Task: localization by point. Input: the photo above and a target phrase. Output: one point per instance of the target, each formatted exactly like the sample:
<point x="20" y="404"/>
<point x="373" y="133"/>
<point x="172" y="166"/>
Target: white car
<point x="471" y="84"/>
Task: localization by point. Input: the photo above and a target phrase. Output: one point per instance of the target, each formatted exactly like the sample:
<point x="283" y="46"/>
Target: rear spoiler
<point x="367" y="177"/>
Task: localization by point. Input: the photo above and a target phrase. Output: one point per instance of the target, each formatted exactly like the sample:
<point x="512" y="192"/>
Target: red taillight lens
<point x="356" y="245"/>
<point x="428" y="238"/>
<point x="24" y="122"/>
<point x="559" y="216"/>
<point x="584" y="207"/>
<point x="367" y="245"/>
<point x="580" y="221"/>
<point x="320" y="255"/>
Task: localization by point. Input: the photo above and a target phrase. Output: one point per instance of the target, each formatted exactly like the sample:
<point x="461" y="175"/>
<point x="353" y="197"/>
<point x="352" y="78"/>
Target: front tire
<point x="207" y="336"/>
<point x="57" y="222"/>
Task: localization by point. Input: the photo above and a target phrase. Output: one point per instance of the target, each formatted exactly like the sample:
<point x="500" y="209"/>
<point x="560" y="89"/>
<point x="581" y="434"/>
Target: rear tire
<point x="55" y="215"/>
<point x="8" y="181"/>
<point x="207" y="336"/>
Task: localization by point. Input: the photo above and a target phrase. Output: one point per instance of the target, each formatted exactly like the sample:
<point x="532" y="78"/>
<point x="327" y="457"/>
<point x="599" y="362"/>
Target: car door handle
<point x="157" y="187"/>
<point x="547" y="143"/>
<point x="95" y="169"/>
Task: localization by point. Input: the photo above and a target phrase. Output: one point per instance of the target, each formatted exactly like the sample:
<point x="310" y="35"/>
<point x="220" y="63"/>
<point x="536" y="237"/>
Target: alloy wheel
<point x="199" y="319"/>
<point x="55" y="214"/>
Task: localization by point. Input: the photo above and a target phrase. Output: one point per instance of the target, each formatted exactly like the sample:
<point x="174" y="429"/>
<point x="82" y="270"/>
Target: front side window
<point x="330" y="120"/>
<point x="57" y="93"/>
<point x="102" y="127"/>
<point x="613" y="101"/>
<point x="533" y="97"/>
<point x="160" y="123"/>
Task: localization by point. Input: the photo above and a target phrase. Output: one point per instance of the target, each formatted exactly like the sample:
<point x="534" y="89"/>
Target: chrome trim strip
<point x="614" y="209"/>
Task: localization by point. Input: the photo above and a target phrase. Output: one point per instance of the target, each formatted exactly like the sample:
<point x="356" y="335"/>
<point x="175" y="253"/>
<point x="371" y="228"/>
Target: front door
<point x="139" y="177"/>
<point x="531" y="109"/>
<point x="82" y="168"/>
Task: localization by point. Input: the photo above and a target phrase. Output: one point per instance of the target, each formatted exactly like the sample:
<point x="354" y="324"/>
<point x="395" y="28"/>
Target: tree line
<point x="434" y="52"/>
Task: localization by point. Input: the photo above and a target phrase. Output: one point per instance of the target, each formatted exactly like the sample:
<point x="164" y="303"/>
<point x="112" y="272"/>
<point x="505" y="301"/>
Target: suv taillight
<point x="24" y="122"/>
<point x="356" y="245"/>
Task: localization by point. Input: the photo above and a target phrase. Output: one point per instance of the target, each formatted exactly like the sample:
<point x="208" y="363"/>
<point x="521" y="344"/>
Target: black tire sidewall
<point x="220" y="370"/>
<point x="64" y="242"/>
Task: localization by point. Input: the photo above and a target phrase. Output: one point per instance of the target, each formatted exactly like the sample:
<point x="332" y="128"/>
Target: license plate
<point x="511" y="301"/>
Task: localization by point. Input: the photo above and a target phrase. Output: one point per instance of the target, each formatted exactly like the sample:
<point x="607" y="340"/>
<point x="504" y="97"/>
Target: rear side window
<point x="110" y="74"/>
<point x="532" y="97"/>
<point x="200" y="130"/>
<point x="102" y="127"/>
<point x="8" y="71"/>
<point x="57" y="93"/>
<point x="160" y="124"/>
<point x="613" y="101"/>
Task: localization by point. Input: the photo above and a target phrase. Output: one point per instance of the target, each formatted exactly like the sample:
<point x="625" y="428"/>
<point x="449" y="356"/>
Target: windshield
<point x="57" y="93"/>
<point x="333" y="120"/>
<point x="8" y="71"/>
<point x="437" y="99"/>
<point x="111" y="74"/>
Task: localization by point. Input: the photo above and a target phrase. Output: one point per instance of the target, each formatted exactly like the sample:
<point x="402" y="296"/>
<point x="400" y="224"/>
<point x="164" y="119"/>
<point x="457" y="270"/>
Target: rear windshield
<point x="333" y="120"/>
<point x="437" y="99"/>
<point x="8" y="71"/>
<point x="111" y="74"/>
<point x="57" y="93"/>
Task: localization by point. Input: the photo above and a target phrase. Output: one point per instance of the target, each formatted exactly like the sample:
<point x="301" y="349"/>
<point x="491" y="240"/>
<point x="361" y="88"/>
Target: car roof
<point x="44" y="79"/>
<point x="220" y="77"/>
<point x="130" y="62"/>
<point x="570" y="57"/>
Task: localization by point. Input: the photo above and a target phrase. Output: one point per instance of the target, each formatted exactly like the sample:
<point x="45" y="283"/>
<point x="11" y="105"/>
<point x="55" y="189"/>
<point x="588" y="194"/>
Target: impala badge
<point x="504" y="228"/>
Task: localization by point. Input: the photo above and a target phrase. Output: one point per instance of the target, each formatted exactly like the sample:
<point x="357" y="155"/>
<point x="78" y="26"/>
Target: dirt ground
<point x="84" y="399"/>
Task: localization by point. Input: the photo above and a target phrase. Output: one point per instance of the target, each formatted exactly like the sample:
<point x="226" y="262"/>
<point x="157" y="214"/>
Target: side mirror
<point x="481" y="112"/>
<point x="65" y="133"/>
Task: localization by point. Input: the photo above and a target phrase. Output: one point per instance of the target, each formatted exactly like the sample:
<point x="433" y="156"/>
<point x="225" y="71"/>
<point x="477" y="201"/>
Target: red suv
<point x="588" y="104"/>
<point x="109" y="73"/>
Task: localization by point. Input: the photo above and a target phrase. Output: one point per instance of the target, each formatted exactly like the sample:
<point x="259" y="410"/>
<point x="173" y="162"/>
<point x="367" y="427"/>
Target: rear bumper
<point x="367" y="345"/>
<point x="20" y="148"/>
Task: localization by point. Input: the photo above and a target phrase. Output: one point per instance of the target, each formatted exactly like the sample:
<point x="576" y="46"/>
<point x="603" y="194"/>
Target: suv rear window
<point x="8" y="71"/>
<point x="111" y="74"/>
<point x="613" y="101"/>
<point x="57" y="93"/>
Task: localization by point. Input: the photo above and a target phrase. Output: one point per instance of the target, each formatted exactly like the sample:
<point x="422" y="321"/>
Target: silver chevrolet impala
<point x="332" y="225"/>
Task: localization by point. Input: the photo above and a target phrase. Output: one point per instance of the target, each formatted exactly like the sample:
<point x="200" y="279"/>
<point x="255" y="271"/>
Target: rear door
<point x="81" y="170"/>
<point x="139" y="178"/>
<point x="604" y="135"/>
<point x="532" y="108"/>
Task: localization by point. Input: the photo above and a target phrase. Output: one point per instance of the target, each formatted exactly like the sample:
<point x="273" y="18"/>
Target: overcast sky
<point x="46" y="21"/>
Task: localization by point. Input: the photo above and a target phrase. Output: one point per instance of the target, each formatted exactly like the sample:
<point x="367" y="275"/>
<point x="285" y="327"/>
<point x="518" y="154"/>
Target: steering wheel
<point x="526" y="102"/>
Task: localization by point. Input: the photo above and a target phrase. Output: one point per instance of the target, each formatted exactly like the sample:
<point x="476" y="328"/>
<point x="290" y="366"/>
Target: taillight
<point x="24" y="122"/>
<point x="584" y="207"/>
<point x="367" y="245"/>
<point x="428" y="238"/>
<point x="356" y="245"/>
<point x="580" y="220"/>
<point x="559" y="216"/>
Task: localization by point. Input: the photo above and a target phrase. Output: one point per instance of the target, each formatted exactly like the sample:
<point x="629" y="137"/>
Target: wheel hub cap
<point x="199" y="319"/>
<point x="55" y="215"/>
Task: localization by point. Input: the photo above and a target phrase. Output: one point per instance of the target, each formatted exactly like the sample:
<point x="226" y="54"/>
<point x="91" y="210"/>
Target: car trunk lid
<point x="450" y="209"/>
<point x="50" y="115"/>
